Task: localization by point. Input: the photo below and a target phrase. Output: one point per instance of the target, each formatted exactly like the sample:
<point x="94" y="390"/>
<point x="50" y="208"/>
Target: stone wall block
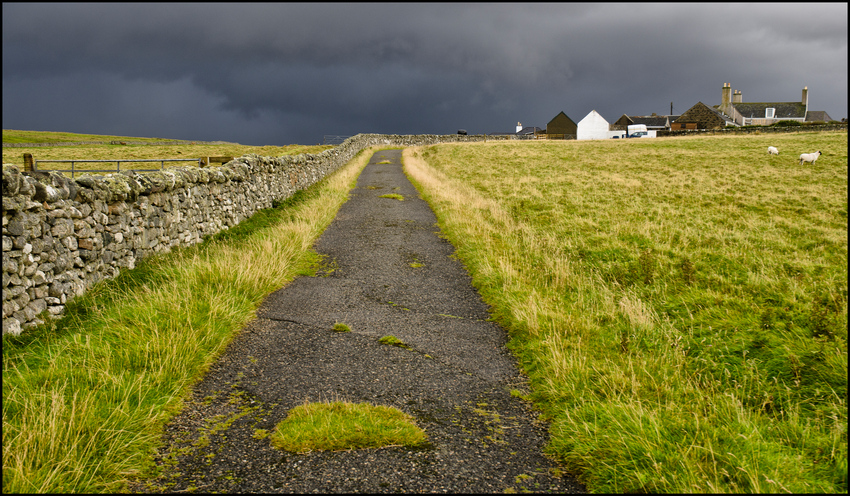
<point x="62" y="228"/>
<point x="11" y="180"/>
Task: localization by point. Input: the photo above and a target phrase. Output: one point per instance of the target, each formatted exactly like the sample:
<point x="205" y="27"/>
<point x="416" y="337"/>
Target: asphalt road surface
<point x="386" y="272"/>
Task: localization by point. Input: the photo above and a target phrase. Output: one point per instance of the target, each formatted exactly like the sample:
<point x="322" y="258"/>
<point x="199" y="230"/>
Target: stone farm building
<point x="766" y="113"/>
<point x="700" y="116"/>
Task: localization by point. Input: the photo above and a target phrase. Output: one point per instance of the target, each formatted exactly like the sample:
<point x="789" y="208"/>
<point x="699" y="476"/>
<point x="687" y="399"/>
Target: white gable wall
<point x="593" y="126"/>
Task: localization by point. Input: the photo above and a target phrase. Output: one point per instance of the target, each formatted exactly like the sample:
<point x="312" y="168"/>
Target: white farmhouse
<point x="593" y="126"/>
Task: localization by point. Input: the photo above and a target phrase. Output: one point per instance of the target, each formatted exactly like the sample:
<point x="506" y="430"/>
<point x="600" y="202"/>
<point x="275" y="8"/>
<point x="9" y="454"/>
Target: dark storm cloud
<point x="286" y="73"/>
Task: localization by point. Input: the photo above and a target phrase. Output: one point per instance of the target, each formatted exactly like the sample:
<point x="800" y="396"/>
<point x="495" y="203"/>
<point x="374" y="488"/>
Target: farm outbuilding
<point x="561" y="126"/>
<point x="817" y="115"/>
<point x="700" y="116"/>
<point x="652" y="122"/>
<point x="593" y="126"/>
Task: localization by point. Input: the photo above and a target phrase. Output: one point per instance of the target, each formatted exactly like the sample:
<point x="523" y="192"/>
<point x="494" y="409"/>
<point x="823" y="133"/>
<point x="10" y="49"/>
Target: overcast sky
<point x="289" y="73"/>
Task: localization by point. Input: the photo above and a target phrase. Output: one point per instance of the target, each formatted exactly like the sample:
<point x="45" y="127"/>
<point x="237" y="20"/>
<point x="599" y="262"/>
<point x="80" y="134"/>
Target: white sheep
<point x="809" y="157"/>
<point x="771" y="150"/>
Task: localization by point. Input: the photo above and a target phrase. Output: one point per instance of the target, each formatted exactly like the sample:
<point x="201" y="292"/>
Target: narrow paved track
<point x="386" y="272"/>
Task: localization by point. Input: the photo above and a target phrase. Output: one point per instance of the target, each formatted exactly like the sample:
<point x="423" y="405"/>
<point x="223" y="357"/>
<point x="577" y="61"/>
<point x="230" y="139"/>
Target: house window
<point x="769" y="113"/>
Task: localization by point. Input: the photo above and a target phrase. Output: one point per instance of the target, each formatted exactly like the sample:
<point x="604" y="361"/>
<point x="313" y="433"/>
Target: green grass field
<point x="679" y="303"/>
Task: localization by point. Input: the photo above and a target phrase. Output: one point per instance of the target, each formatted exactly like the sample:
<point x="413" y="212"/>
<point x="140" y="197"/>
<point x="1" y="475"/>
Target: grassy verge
<point x="85" y="398"/>
<point x="679" y="304"/>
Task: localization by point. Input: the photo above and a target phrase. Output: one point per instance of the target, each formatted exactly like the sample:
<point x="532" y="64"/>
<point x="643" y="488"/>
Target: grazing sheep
<point x="809" y="157"/>
<point x="771" y="150"/>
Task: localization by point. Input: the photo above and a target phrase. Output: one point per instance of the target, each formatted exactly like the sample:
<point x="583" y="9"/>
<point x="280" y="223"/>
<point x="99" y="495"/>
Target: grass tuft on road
<point x="340" y="425"/>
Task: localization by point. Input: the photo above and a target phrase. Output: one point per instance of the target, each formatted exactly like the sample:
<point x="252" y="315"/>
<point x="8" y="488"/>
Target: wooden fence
<point x="30" y="164"/>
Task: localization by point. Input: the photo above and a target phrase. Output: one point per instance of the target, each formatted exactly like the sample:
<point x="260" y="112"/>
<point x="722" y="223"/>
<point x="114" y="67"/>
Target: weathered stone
<point x="84" y="210"/>
<point x="117" y="187"/>
<point x="29" y="270"/>
<point x="13" y="292"/>
<point x="37" y="245"/>
<point x="15" y="203"/>
<point x="62" y="228"/>
<point x="23" y="299"/>
<point x="27" y="187"/>
<point x="63" y="262"/>
<point x="9" y="308"/>
<point x="87" y="180"/>
<point x="11" y="326"/>
<point x="10" y="264"/>
<point x="117" y="208"/>
<point x="45" y="193"/>
<point x="38" y="292"/>
<point x="70" y="242"/>
<point x="56" y="289"/>
<point x="11" y="180"/>
<point x="15" y="227"/>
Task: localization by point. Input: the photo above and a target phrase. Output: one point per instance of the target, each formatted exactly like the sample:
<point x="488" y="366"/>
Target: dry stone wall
<point x="62" y="235"/>
<point x="807" y="128"/>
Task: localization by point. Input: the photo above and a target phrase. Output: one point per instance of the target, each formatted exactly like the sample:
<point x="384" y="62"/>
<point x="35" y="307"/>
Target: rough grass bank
<point x="85" y="398"/>
<point x="679" y="303"/>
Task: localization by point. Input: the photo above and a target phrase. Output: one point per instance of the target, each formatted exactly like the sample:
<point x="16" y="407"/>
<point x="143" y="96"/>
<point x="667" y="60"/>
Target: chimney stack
<point x="806" y="97"/>
<point x="518" y="126"/>
<point x="726" y="98"/>
<point x="737" y="97"/>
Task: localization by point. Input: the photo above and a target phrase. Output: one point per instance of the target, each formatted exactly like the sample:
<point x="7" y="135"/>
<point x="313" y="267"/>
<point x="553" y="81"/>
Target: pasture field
<point x="680" y="304"/>
<point x="129" y="151"/>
